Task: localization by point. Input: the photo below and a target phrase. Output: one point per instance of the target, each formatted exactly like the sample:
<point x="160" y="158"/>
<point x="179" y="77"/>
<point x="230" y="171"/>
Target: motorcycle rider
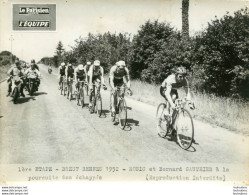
<point x="33" y="70"/>
<point x="49" y="67"/>
<point x="35" y="65"/>
<point x="15" y="71"/>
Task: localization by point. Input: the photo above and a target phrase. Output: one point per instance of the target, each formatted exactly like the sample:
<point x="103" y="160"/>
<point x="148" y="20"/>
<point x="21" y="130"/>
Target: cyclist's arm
<point x="10" y="72"/>
<point x="102" y="76"/>
<point x="111" y="76"/>
<point x="59" y="70"/>
<point x="86" y="73"/>
<point x="127" y="77"/>
<point x="187" y="89"/>
<point x="90" y="73"/>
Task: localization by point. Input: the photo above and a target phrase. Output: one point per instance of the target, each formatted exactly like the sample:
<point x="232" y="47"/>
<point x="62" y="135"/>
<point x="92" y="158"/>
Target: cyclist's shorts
<point x="173" y="92"/>
<point x="117" y="82"/>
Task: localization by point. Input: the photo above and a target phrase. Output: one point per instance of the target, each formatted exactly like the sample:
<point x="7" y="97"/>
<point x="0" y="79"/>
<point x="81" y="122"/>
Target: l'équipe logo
<point x="34" y="17"/>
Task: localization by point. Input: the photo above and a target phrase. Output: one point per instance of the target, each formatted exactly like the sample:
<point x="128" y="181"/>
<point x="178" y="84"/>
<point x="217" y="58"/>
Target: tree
<point x="185" y="21"/>
<point x="59" y="51"/>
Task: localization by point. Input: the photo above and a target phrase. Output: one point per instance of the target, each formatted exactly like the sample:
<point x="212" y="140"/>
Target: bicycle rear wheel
<point x="184" y="128"/>
<point x="162" y="125"/>
<point x="82" y="97"/>
<point x="122" y="113"/>
<point x="65" y="89"/>
<point x="61" y="87"/>
<point x="112" y="115"/>
<point x="99" y="105"/>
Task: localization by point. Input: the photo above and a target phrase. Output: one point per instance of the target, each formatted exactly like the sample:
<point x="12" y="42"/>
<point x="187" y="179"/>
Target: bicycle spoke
<point x="162" y="125"/>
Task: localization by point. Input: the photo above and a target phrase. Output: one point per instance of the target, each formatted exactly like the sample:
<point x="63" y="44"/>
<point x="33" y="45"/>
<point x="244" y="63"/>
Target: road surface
<point x="48" y="128"/>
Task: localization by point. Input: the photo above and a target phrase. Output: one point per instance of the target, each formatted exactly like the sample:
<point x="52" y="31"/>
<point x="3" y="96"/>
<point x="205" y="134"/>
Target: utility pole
<point x="11" y="39"/>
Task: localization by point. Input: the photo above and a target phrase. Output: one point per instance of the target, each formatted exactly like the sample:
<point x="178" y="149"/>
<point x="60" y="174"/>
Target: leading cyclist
<point x="170" y="85"/>
<point x="119" y="75"/>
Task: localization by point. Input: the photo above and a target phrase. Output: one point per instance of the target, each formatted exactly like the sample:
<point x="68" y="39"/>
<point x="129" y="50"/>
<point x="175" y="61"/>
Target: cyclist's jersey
<point x="80" y="73"/>
<point x="62" y="70"/>
<point x="170" y="82"/>
<point x="118" y="73"/>
<point x="70" y="72"/>
<point x="96" y="73"/>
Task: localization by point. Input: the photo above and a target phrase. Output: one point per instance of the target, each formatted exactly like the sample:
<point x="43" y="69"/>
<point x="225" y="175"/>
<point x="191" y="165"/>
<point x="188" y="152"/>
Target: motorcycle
<point x="17" y="81"/>
<point x="32" y="83"/>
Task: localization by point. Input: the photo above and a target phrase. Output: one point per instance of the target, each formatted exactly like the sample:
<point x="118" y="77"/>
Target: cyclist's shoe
<point x="167" y="118"/>
<point x="8" y="95"/>
<point x="22" y="94"/>
<point x="112" y="114"/>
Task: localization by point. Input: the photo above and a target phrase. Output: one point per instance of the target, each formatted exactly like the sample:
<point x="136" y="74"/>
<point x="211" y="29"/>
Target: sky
<point x="77" y="18"/>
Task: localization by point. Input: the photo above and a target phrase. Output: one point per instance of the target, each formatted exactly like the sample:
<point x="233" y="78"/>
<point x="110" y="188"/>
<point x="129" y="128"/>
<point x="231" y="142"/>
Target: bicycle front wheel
<point x="185" y="129"/>
<point x="61" y="87"/>
<point x="99" y="105"/>
<point x="162" y="125"/>
<point x="122" y="113"/>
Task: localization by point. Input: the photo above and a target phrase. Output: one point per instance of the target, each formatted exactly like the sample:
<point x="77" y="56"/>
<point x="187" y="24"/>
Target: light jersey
<point x="14" y="71"/>
<point x="170" y="82"/>
<point x="118" y="74"/>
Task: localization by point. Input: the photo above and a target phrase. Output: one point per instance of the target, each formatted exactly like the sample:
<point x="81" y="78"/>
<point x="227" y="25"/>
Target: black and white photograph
<point x="126" y="91"/>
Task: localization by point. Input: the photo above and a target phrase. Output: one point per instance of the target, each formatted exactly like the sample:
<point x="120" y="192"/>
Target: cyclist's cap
<point x="96" y="63"/>
<point x="88" y="63"/>
<point x="81" y="67"/>
<point x="120" y="63"/>
<point x="63" y="64"/>
<point x="69" y="64"/>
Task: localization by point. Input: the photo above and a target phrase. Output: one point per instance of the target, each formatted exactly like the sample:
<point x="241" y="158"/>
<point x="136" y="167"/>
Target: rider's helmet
<point x="181" y="70"/>
<point x="96" y="63"/>
<point x="81" y="67"/>
<point x="88" y="63"/>
<point x="63" y="63"/>
<point x="32" y="61"/>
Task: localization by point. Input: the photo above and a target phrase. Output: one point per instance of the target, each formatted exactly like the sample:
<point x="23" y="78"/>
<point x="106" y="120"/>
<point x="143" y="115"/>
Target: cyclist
<point x="69" y="72"/>
<point x="170" y="85"/>
<point x="15" y="71"/>
<point x="96" y="74"/>
<point x="119" y="75"/>
<point x="62" y="72"/>
<point x="79" y="75"/>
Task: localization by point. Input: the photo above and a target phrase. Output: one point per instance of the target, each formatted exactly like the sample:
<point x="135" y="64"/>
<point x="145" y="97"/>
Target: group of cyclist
<point x="22" y="70"/>
<point x="93" y="74"/>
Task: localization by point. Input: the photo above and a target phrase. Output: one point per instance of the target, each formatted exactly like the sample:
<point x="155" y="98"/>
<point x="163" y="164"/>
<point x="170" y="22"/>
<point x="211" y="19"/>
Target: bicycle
<point x="181" y="121"/>
<point x="121" y="106"/>
<point x="96" y="99"/>
<point x="70" y="91"/>
<point x="80" y="93"/>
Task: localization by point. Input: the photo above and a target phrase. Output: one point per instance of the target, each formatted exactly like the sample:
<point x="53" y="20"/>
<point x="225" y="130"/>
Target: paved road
<point x="48" y="128"/>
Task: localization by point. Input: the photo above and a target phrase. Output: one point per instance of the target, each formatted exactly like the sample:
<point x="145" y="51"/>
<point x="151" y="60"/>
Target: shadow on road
<point x="40" y="93"/>
<point x="132" y="122"/>
<point x="25" y="100"/>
